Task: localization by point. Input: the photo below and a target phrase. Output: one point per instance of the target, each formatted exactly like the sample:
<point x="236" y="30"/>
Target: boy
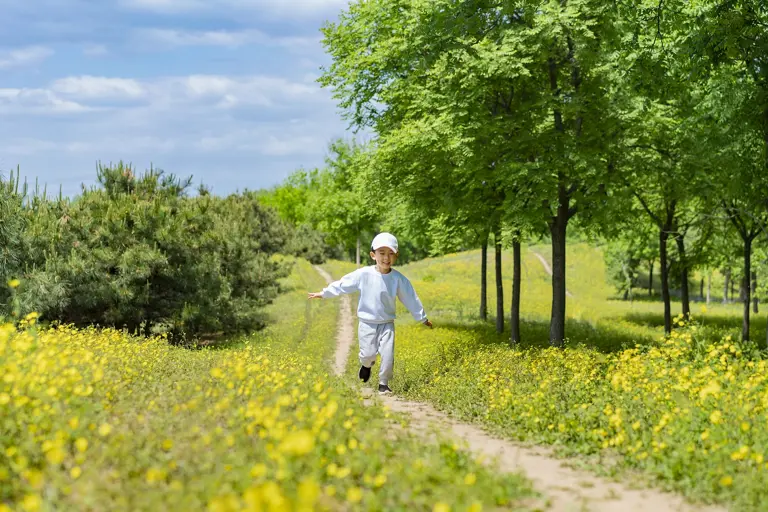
<point x="378" y="285"/>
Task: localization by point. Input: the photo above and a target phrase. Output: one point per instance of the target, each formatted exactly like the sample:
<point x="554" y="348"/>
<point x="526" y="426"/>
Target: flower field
<point x="99" y="420"/>
<point x="687" y="412"/>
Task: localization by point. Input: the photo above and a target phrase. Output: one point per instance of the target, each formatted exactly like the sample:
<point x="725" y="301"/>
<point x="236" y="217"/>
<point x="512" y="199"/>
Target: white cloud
<point x="97" y="87"/>
<point x="24" y="56"/>
<point x="201" y="90"/>
<point x="198" y="38"/>
<point x="190" y="94"/>
<point x="204" y="114"/>
<point x="133" y="143"/>
<point x="36" y="101"/>
<point x="291" y="145"/>
<point x="225" y="38"/>
<point x="304" y="139"/>
<point x="186" y="108"/>
<point x="295" y="8"/>
<point x="165" y="5"/>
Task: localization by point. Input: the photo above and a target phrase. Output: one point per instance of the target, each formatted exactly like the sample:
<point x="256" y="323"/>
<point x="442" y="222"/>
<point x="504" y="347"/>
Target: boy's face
<point x="385" y="257"/>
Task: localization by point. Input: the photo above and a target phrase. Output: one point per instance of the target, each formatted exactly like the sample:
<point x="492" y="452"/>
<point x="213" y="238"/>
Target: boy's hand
<point x="428" y="323"/>
<point x="318" y="295"/>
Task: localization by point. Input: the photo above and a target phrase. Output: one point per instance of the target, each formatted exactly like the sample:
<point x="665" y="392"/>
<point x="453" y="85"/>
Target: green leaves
<point x="142" y="255"/>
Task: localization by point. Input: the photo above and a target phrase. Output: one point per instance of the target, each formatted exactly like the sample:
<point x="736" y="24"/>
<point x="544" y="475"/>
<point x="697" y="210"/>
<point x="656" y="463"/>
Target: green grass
<point x="685" y="413"/>
<point x="98" y="420"/>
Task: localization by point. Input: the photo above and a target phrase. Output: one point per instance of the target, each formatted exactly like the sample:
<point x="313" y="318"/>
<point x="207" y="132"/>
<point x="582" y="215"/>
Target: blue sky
<point x="224" y="90"/>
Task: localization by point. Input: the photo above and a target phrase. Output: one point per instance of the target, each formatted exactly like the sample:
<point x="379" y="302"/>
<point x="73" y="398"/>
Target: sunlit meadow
<point x="685" y="412"/>
<point x="100" y="420"/>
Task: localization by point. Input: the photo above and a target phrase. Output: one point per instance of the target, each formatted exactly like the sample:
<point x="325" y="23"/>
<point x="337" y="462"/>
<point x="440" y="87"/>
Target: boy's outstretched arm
<point x="350" y="283"/>
<point x="407" y="295"/>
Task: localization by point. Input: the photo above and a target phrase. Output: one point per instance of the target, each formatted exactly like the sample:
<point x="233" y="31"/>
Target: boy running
<point x="378" y="285"/>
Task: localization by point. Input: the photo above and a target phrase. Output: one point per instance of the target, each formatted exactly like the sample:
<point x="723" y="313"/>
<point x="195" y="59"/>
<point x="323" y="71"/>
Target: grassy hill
<point x="450" y="289"/>
<point x="95" y="420"/>
<point x="684" y="412"/>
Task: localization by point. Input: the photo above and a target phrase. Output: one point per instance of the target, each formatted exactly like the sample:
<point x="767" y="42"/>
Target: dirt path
<point x="547" y="268"/>
<point x="345" y="335"/>
<point x="566" y="489"/>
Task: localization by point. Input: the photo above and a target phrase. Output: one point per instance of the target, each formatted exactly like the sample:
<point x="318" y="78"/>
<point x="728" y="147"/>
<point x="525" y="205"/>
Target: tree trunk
<point x="557" y="228"/>
<point x="357" y="251"/>
<point x="727" y="276"/>
<point x="747" y="291"/>
<point x="684" y="292"/>
<point x="709" y="287"/>
<point x="731" y="288"/>
<point x="499" y="282"/>
<point x="743" y="289"/>
<point x="484" y="280"/>
<point x="755" y="298"/>
<point x="765" y="140"/>
<point x="663" y="238"/>
<point x="701" y="289"/>
<point x="650" y="279"/>
<point x="516" y="281"/>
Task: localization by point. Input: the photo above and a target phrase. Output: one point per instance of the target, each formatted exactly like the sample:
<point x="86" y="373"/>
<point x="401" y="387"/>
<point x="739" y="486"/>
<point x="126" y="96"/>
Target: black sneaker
<point x="364" y="373"/>
<point x="384" y="389"/>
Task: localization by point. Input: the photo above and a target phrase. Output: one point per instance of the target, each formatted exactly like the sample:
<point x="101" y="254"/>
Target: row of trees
<point x="140" y="252"/>
<point x="711" y="260"/>
<point x="337" y="201"/>
<point x="512" y="120"/>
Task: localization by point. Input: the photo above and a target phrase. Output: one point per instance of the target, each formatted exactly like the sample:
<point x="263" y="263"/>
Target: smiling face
<point x="385" y="258"/>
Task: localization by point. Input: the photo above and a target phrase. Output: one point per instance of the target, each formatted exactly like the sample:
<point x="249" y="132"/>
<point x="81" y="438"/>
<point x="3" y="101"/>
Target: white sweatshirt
<point x="377" y="294"/>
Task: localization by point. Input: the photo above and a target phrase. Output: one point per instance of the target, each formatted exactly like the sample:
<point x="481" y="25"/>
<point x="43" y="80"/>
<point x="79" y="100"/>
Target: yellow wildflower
<point x="354" y="495"/>
<point x="298" y="443"/>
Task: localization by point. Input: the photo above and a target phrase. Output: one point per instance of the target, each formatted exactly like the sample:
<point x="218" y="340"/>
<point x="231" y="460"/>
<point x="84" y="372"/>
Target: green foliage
<point x="337" y="207"/>
<point x="12" y="226"/>
<point x="120" y="180"/>
<point x="127" y="424"/>
<point x="683" y="411"/>
<point x="542" y="114"/>
<point x="623" y="267"/>
<point x="29" y="233"/>
<point x="289" y="199"/>
<point x="309" y="243"/>
<point x="137" y="252"/>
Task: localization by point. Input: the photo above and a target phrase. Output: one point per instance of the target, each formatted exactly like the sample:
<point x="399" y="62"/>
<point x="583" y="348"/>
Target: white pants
<point x="377" y="339"/>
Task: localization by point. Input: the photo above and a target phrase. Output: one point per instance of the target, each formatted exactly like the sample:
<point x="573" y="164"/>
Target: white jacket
<point x="377" y="294"/>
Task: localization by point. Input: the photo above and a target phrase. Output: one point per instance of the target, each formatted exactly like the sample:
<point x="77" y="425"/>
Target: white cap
<point x="384" y="240"/>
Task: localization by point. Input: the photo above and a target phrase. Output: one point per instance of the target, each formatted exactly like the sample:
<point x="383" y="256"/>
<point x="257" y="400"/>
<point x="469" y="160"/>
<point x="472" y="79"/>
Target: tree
<point x="337" y="207"/>
<point x="738" y="169"/>
<point x="739" y="211"/>
<point x="661" y="155"/>
<point x="519" y="229"/>
<point x="30" y="227"/>
<point x="470" y="76"/>
<point x="136" y="252"/>
<point x="514" y="322"/>
<point x="290" y="198"/>
<point x="623" y="259"/>
<point x="728" y="45"/>
<point x="328" y="206"/>
<point x="449" y="217"/>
